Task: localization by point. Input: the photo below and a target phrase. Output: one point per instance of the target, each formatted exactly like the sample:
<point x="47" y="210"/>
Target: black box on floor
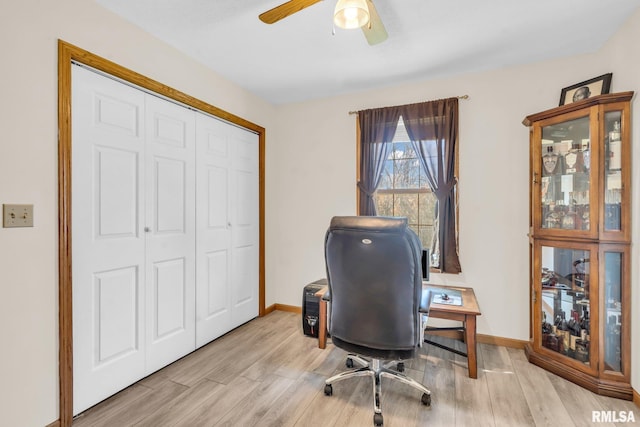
<point x="311" y="307"/>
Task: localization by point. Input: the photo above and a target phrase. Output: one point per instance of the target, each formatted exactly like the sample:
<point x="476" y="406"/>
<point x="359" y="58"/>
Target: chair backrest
<point x="374" y="274"/>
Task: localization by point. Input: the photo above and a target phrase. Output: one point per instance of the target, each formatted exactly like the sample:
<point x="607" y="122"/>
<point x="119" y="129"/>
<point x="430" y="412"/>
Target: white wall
<point x="29" y="30"/>
<point x="316" y="163"/>
<point x="310" y="175"/>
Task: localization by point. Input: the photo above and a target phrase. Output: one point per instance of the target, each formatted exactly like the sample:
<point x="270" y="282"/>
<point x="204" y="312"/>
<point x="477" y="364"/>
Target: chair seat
<point x="376" y="353"/>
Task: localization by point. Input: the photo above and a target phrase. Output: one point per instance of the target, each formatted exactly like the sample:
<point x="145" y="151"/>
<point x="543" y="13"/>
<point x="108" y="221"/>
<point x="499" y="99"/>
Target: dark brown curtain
<point x="377" y="128"/>
<point x="433" y="129"/>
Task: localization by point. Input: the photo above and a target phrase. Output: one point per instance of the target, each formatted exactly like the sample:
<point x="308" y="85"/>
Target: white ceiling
<point x="298" y="58"/>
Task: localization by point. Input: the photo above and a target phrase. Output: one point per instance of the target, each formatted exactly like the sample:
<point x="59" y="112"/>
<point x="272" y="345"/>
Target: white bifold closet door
<point x="169" y="232"/>
<point x="165" y="232"/>
<point x="133" y="191"/>
<point x="228" y="227"/>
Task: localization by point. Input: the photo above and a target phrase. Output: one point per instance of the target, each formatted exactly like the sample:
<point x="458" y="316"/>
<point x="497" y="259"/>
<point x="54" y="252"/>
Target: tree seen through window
<point x="403" y="189"/>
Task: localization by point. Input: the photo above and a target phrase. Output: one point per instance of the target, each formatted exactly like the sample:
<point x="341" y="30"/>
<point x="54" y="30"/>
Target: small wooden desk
<point x="465" y="313"/>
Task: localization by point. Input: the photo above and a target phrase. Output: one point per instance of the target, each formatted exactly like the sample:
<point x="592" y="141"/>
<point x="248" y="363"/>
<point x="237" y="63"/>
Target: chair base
<point x="376" y="371"/>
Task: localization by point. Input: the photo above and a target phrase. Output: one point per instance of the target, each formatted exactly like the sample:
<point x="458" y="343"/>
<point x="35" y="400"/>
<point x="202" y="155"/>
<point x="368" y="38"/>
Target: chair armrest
<point x="425" y="300"/>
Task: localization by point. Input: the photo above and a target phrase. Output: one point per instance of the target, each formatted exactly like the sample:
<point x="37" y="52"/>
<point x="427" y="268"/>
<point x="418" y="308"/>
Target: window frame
<point x="456" y="174"/>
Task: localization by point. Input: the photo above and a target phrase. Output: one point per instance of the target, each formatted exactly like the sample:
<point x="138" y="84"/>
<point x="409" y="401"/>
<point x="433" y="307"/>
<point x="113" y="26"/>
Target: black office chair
<point x="374" y="274"/>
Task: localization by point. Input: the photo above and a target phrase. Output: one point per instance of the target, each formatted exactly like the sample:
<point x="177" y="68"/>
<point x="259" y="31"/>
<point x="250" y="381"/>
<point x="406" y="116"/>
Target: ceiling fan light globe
<point x="350" y="14"/>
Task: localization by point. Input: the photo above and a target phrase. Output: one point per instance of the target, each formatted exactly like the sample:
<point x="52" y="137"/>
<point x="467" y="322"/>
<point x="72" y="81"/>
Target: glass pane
<point x="386" y="180"/>
<point x="427" y="211"/>
<point x="425" y="233"/>
<point x="406" y="173"/>
<point x="612" y="173"/>
<point x="423" y="179"/>
<point x="384" y="204"/>
<point x="613" y="310"/>
<point x="566" y="166"/>
<point x="407" y="205"/>
<point x="400" y="150"/>
<point x="565" y="302"/>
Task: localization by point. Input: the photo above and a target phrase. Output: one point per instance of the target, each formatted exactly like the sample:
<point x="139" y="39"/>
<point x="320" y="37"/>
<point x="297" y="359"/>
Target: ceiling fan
<point x="348" y="14"/>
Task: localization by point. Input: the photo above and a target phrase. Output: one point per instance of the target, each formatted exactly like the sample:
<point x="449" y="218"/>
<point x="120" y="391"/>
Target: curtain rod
<point x="459" y="97"/>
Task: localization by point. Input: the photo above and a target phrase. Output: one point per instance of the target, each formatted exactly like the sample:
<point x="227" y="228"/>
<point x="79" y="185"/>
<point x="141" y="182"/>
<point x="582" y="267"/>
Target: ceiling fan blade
<point x="285" y="9"/>
<point x="374" y="31"/>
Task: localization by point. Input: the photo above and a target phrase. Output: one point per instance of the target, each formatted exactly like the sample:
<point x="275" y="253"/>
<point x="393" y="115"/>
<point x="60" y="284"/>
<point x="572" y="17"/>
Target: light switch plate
<point x="17" y="216"/>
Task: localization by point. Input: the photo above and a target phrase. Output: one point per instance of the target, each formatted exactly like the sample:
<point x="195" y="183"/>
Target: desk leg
<point x="322" y="324"/>
<point x="470" y="338"/>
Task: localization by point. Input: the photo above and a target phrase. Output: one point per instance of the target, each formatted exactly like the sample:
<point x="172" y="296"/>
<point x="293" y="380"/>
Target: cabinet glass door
<point x="613" y="262"/>
<point x="565" y="181"/>
<point x="613" y="171"/>
<point x="565" y="304"/>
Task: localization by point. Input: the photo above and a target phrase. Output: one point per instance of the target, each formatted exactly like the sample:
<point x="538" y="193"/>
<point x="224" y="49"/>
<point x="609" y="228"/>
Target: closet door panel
<point x="215" y="300"/>
<point x="170" y="232"/>
<point x="115" y="313"/>
<point x="217" y="196"/>
<point x="116" y="209"/>
<point x="213" y="237"/>
<point x="107" y="237"/>
<point x="245" y="223"/>
<point x="170" y="194"/>
<point x="169" y="298"/>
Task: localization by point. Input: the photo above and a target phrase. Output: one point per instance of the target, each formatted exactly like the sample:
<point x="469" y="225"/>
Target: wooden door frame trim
<point x="67" y="54"/>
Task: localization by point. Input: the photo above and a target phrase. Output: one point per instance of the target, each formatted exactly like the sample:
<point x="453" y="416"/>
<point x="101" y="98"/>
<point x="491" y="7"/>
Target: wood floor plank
<point x="508" y="402"/>
<point x="401" y="403"/>
<point x="270" y="360"/>
<point x="473" y="403"/>
<point x="544" y="402"/>
<point x="102" y="413"/>
<point x="305" y="355"/>
<point x="219" y="403"/>
<point x="613" y="404"/>
<point x="268" y="373"/>
<point x="335" y="357"/>
<point x="358" y="410"/>
<point x="189" y="401"/>
<point x="217" y="360"/>
<point x="323" y="411"/>
<point x="289" y="408"/>
<point x="131" y="412"/>
<point x="580" y="402"/>
<point x="439" y="378"/>
<point x="248" y="412"/>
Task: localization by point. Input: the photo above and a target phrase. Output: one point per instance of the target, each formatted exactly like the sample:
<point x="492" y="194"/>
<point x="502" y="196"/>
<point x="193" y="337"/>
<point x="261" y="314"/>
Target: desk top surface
<point x="469" y="301"/>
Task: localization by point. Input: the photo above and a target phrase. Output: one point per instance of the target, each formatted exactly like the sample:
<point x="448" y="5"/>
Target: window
<point x="407" y="161"/>
<point x="403" y="188"/>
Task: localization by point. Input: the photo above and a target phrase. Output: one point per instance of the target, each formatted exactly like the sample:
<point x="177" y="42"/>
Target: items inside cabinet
<point x="566" y="164"/>
<point x="565" y="302"/>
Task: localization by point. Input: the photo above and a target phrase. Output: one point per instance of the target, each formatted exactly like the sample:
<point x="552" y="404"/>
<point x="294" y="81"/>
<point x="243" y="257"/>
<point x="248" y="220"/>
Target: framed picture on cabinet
<point x="588" y="88"/>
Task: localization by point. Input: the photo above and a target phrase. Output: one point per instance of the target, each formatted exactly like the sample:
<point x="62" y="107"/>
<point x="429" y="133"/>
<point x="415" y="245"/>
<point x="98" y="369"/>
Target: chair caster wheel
<point x="349" y="363"/>
<point x="426" y="399"/>
<point x="377" y="419"/>
<point x="328" y="390"/>
<point x="400" y="367"/>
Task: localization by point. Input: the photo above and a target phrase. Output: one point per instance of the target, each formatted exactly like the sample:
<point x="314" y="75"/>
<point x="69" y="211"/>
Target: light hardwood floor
<point x="267" y="373"/>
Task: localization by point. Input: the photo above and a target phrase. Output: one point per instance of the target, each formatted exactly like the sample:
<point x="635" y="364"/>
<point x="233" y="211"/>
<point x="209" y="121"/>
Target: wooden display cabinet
<point x="580" y="242"/>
